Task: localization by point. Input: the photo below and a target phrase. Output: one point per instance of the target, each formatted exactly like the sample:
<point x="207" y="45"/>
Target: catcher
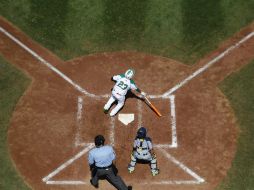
<point x="143" y="152"/>
<point x="124" y="83"/>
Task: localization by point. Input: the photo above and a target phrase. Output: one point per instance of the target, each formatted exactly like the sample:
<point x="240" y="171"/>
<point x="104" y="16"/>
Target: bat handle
<point x="147" y="100"/>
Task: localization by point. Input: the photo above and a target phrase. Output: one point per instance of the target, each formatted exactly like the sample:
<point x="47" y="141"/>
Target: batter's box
<point x="91" y="121"/>
<point x="162" y="129"/>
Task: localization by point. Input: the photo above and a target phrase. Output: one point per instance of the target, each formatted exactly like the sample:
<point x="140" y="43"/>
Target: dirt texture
<point x="46" y="130"/>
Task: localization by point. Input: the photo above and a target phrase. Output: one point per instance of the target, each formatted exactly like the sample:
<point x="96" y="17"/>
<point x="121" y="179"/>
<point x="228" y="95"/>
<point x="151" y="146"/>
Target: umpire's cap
<point x="99" y="140"/>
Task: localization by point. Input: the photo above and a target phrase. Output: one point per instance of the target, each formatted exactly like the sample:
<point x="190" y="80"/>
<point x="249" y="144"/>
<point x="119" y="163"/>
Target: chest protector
<point x="142" y="146"/>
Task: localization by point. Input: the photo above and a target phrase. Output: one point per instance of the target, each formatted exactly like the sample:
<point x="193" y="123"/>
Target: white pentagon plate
<point x="126" y="118"/>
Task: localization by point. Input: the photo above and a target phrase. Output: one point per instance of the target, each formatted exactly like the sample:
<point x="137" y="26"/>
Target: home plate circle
<point x="126" y="118"/>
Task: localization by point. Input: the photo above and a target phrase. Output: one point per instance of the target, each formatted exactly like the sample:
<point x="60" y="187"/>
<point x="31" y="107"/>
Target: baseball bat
<point x="153" y="107"/>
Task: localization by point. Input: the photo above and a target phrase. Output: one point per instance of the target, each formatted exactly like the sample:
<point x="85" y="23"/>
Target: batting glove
<point x="143" y="93"/>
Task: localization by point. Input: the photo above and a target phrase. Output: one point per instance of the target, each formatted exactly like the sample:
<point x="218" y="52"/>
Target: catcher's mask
<point x="141" y="134"/>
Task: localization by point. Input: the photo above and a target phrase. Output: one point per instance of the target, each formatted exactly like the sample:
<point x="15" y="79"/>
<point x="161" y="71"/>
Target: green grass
<point x="239" y="89"/>
<point x="12" y="85"/>
<point x="181" y="29"/>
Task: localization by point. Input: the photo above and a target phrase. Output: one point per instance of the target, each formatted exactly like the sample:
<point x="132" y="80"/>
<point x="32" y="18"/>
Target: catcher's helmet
<point x="141" y="133"/>
<point x="129" y="73"/>
<point x="99" y="140"/>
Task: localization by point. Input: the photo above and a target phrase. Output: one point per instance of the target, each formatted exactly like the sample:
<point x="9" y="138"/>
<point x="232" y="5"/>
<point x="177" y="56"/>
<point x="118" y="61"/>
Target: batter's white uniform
<point x="122" y="86"/>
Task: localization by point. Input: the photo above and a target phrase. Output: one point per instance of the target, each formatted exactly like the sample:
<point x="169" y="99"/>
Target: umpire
<point x="101" y="165"/>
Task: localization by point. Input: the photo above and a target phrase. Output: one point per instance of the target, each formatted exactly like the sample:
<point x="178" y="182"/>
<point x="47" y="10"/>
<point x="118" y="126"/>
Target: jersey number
<point x="122" y="85"/>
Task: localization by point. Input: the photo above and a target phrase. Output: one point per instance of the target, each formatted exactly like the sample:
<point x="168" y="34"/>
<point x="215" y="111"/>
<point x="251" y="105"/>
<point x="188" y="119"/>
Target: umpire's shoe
<point x="96" y="185"/>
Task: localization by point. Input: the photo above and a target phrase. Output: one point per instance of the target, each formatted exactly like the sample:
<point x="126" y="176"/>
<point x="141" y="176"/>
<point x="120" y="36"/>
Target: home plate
<point x="126" y="118"/>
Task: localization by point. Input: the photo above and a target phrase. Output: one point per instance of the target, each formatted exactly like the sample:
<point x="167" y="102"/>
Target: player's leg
<point x="153" y="164"/>
<point x="109" y="103"/>
<point x="95" y="178"/>
<point x="120" y="104"/>
<point x="115" y="180"/>
<point x="132" y="164"/>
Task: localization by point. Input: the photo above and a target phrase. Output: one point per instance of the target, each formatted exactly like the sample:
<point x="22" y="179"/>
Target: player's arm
<point x="134" y="148"/>
<point x="112" y="79"/>
<point x="115" y="78"/>
<point x="113" y="154"/>
<point x="134" y="87"/>
<point x="91" y="161"/>
<point x="150" y="146"/>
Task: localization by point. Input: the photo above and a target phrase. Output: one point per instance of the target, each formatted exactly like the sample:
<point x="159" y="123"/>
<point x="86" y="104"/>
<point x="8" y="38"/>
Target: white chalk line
<point x="66" y="164"/>
<point x="172" y="182"/>
<point x="173" y="126"/>
<point x="79" y="120"/>
<point x="84" y="144"/>
<point x="112" y="131"/>
<point x="50" y="66"/>
<point x="209" y="64"/>
<point x="197" y="179"/>
<point x="66" y="182"/>
<point x="80" y="108"/>
<point x="173" y="120"/>
<point x="139" y="102"/>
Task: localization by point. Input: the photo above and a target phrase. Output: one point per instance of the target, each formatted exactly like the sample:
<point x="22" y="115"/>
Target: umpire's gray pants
<point x="108" y="174"/>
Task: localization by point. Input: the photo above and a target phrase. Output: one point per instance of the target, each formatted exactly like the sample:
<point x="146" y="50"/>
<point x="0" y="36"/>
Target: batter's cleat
<point x="155" y="172"/>
<point x="131" y="169"/>
<point x="105" y="111"/>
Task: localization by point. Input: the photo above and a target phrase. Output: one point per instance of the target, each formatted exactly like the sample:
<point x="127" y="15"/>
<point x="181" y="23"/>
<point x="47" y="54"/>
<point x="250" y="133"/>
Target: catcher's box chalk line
<point x="173" y="126"/>
<point x="51" y="182"/>
<point x="66" y="164"/>
<point x="198" y="179"/>
<point x="181" y="165"/>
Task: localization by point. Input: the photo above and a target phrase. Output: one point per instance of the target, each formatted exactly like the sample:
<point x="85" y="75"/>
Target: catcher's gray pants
<point x="148" y="157"/>
<point x="111" y="177"/>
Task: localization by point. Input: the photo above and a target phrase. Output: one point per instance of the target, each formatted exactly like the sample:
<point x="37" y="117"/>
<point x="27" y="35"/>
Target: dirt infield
<point x="56" y="120"/>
